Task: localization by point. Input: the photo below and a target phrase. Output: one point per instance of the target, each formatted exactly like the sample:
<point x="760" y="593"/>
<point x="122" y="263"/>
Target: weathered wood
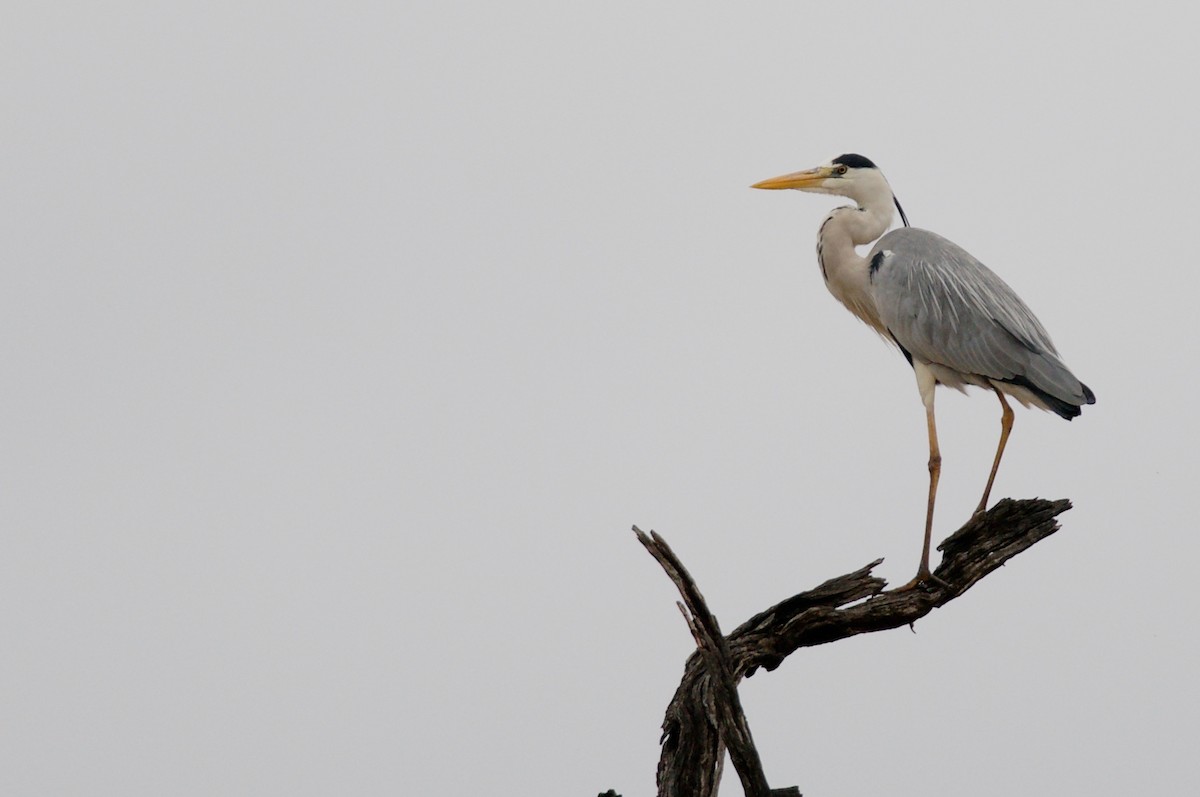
<point x="725" y="707"/>
<point x="705" y="715"/>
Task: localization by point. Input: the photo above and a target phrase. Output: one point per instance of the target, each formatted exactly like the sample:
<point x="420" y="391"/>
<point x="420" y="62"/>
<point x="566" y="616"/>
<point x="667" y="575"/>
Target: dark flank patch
<point x="907" y="354"/>
<point x="1064" y="409"/>
<point x="855" y="161"/>
<point x="876" y="262"/>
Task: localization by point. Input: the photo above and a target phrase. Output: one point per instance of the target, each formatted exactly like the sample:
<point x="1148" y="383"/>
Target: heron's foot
<point x="979" y="510"/>
<point x="916" y="582"/>
<point x="922" y="579"/>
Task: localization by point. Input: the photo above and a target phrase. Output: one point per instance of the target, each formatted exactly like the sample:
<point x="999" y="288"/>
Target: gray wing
<point x="945" y="307"/>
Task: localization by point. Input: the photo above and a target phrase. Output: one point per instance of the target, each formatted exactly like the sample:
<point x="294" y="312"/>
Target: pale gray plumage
<point x="957" y="322"/>
<point x="944" y="307"/>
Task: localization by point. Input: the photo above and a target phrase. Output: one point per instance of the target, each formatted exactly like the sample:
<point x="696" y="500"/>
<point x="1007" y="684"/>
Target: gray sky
<point x="343" y="344"/>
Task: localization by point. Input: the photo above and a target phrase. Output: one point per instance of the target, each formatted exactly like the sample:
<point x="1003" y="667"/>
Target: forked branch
<point x="705" y="715"/>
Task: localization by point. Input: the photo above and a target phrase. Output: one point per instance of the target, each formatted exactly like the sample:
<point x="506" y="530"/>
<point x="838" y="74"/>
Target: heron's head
<point x="849" y="175"/>
<point x="845" y="175"/>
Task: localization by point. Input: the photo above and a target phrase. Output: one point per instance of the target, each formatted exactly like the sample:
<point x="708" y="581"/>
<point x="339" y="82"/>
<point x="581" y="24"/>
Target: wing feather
<point x="947" y="308"/>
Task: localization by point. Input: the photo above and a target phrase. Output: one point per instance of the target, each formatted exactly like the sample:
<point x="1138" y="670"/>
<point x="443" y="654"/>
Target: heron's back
<point x="947" y="309"/>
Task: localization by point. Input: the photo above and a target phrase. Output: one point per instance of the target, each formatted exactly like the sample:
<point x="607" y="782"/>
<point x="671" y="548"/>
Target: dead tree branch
<point x="725" y="707"/>
<point x="705" y="715"/>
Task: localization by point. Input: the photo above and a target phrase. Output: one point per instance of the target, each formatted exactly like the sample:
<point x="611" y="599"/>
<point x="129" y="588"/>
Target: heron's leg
<point x="1006" y="422"/>
<point x="926" y="382"/>
<point x="935" y="471"/>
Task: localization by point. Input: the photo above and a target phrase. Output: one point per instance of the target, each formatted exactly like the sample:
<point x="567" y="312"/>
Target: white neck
<point x="846" y="273"/>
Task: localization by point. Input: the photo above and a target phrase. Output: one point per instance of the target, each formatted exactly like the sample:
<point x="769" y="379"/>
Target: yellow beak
<point x="804" y="179"/>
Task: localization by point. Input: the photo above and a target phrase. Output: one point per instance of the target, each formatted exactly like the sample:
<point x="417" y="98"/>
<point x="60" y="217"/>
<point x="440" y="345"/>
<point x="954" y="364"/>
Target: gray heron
<point x="955" y="321"/>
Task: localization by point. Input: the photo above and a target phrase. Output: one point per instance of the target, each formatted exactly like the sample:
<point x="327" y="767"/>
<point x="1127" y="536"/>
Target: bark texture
<point x="705" y="715"/>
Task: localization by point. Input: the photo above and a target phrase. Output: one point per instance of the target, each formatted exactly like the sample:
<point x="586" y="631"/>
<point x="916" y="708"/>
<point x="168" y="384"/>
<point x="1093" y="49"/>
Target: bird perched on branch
<point x="956" y="322"/>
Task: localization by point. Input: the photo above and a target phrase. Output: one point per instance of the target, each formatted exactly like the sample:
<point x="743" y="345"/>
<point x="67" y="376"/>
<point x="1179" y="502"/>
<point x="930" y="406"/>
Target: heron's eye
<point x="840" y="169"/>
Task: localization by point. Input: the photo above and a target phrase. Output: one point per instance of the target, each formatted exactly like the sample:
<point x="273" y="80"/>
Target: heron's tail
<point x="1060" y="407"/>
<point x="1088" y="396"/>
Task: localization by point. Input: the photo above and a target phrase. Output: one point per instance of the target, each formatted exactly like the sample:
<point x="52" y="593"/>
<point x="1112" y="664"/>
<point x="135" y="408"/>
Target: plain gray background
<point x="343" y="343"/>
